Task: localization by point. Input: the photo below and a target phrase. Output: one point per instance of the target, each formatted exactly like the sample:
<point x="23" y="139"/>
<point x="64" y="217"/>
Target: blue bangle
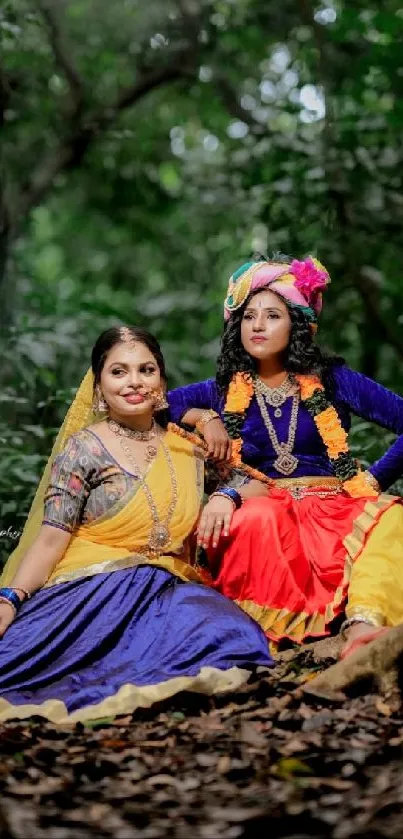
<point x="231" y="493"/>
<point x="12" y="597"/>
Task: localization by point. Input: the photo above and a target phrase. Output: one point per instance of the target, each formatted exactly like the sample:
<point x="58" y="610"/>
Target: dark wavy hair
<point x="302" y="354"/>
<point x="111" y="337"/>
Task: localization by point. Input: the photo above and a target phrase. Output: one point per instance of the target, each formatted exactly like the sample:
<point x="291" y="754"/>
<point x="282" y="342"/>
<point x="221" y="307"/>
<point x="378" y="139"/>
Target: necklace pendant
<point x="276" y="398"/>
<point x="151" y="453"/>
<point x="278" y="413"/>
<point x="159" y="539"/>
<point x="286" y="463"/>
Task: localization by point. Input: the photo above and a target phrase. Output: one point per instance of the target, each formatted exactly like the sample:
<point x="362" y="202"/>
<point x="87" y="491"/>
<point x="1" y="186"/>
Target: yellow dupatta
<point x="93" y="547"/>
<point x="79" y="415"/>
<point x="119" y="538"/>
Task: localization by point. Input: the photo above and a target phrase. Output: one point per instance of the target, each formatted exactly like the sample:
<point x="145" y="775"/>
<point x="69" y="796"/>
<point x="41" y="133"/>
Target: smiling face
<point x="129" y="378"/>
<point x="265" y="326"/>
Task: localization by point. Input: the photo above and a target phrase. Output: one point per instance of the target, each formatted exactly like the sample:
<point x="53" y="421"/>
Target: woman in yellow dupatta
<point x="101" y="608"/>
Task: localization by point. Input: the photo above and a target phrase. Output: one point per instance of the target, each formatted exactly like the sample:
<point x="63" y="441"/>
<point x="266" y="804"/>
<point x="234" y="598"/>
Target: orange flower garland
<point x="332" y="432"/>
<point x="239" y="394"/>
<point x="334" y="436"/>
<point x="327" y="421"/>
<point x="308" y="385"/>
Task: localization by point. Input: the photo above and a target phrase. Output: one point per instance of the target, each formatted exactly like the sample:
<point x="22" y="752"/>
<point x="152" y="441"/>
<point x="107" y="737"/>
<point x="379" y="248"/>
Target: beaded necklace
<point x="326" y="419"/>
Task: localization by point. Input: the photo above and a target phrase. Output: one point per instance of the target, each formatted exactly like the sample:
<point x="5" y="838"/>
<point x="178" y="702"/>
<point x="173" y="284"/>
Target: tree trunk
<point x="7" y="292"/>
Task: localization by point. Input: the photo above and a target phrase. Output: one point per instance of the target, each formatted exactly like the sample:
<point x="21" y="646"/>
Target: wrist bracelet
<point x="205" y="417"/>
<point x="8" y="595"/>
<point x="232" y="494"/>
<point x="357" y="619"/>
<point x="18" y="588"/>
<point x="221" y="495"/>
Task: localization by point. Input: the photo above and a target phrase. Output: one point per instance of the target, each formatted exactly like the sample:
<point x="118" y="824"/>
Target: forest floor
<point x="265" y="761"/>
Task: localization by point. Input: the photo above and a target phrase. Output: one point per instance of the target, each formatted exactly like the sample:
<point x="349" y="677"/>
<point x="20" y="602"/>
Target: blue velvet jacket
<point x="351" y="393"/>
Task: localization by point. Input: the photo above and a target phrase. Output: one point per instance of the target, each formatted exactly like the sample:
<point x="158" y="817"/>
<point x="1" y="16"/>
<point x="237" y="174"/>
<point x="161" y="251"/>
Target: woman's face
<point x="129" y="379"/>
<point x="265" y="325"/>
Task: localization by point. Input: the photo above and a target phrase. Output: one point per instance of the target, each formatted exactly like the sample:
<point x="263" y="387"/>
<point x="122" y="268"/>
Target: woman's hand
<point x="214" y="521"/>
<point x="7" y="616"/>
<point x="213" y="431"/>
<point x="216" y="437"/>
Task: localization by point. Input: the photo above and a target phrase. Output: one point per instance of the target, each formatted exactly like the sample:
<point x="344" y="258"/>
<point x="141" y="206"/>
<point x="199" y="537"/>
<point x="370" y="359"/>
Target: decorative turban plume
<point x="300" y="283"/>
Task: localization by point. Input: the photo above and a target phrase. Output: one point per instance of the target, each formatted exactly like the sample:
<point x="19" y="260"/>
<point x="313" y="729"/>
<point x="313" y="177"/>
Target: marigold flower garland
<point x="325" y="416"/>
<point x="239" y="396"/>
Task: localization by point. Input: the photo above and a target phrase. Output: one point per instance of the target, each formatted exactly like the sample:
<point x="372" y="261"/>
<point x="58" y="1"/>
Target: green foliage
<point x="273" y="128"/>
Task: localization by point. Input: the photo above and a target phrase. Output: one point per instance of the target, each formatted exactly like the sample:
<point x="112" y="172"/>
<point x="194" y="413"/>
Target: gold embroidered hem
<point x="370" y="615"/>
<point x="370" y="529"/>
<point x="209" y="681"/>
<point x="173" y="564"/>
<point x="291" y="483"/>
<point x="281" y="623"/>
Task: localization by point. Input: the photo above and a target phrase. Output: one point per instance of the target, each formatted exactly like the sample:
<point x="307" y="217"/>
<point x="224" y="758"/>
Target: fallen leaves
<point x="267" y="760"/>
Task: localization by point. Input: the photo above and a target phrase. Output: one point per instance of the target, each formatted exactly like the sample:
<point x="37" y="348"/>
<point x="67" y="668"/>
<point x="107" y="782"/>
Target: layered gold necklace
<point x="286" y="462"/>
<point x="160" y="538"/>
<point x="140" y="436"/>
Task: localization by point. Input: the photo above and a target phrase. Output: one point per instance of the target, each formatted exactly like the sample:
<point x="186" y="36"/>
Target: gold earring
<point x="99" y="405"/>
<point x="160" y="400"/>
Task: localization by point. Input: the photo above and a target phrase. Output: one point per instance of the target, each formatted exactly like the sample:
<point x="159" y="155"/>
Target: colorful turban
<point x="299" y="283"/>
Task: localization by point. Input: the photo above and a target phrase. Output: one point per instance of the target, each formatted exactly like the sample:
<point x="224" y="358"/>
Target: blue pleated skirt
<point x="111" y="643"/>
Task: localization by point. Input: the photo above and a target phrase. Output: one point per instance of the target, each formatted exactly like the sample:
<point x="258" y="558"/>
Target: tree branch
<point x="232" y="102"/>
<point x="62" y="52"/>
<point x="72" y="148"/>
<point x="369" y="294"/>
<point x="360" y="278"/>
<point x="366" y="288"/>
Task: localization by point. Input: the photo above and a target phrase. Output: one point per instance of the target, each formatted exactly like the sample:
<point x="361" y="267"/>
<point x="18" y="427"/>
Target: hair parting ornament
<point x="299" y="283"/>
<point x="126" y="336"/>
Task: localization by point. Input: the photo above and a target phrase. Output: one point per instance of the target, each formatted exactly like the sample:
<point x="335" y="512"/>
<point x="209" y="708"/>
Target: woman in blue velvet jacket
<point x="323" y="539"/>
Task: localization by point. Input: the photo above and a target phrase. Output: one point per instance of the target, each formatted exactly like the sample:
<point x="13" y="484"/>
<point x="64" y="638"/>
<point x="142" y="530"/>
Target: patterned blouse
<point x="85" y="482"/>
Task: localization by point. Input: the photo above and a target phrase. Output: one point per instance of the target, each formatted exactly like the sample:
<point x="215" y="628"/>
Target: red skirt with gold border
<point x="287" y="560"/>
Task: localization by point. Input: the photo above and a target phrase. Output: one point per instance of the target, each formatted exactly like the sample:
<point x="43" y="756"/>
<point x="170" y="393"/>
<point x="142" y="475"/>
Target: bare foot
<point x="360" y="634"/>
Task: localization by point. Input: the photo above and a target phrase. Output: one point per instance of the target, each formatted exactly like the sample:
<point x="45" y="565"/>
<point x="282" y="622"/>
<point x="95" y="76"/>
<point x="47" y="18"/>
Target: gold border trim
<point x="282" y="623"/>
<point x="129" y="697"/>
<point x="287" y="483"/>
<point x="367" y="614"/>
<point x="297" y="625"/>
<point x="173" y="564"/>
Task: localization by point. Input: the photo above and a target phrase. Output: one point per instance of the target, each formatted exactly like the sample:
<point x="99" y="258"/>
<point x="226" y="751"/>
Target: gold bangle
<point x="221" y="495"/>
<point x="205" y="417"/>
<point x="18" y="588"/>
<point x="371" y="480"/>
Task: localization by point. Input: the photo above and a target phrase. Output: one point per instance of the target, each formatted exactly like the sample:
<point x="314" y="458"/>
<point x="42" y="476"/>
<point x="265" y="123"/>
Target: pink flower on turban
<point x="310" y="278"/>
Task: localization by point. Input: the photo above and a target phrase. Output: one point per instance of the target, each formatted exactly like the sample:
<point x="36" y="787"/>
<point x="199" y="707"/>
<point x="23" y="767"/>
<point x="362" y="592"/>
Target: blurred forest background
<point x="148" y="148"/>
